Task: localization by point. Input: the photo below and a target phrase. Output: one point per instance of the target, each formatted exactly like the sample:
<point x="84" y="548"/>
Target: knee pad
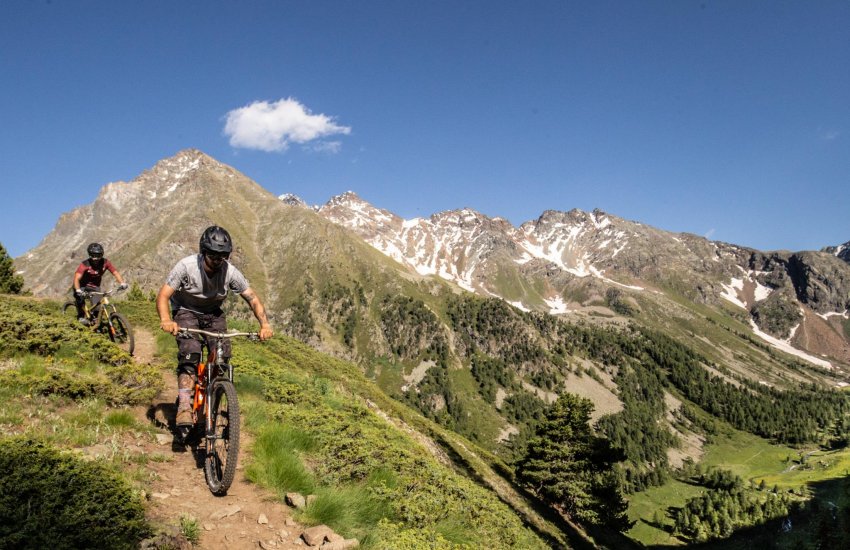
<point x="187" y="363"/>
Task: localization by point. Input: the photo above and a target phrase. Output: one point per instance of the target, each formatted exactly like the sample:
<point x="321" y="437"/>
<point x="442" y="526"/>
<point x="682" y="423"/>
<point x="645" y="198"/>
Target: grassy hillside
<point x="320" y="427"/>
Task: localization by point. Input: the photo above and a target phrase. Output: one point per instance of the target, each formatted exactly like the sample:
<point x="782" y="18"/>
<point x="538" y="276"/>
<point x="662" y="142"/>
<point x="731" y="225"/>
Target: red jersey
<point x="92" y="276"/>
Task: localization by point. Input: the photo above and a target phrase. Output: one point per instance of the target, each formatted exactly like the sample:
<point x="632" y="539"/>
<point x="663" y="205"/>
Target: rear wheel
<point x="69" y="310"/>
<point x="222" y="437"/>
<point x="121" y="332"/>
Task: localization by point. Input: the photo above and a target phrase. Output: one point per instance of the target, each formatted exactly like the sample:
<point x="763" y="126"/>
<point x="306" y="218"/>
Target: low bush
<point x="50" y="499"/>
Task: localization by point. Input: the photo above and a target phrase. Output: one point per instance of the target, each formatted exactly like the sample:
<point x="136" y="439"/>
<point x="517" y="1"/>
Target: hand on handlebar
<point x="170" y="327"/>
<point x="266" y="332"/>
<point x="123" y="286"/>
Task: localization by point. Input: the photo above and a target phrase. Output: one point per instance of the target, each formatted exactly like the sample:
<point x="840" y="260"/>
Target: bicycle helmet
<point x="95" y="250"/>
<point x="216" y="240"/>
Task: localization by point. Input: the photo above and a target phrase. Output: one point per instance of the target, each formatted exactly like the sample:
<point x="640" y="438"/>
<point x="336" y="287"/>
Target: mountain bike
<point x="104" y="317"/>
<point x="215" y="410"/>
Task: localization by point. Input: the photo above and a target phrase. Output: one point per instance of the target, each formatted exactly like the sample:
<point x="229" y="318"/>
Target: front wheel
<point x="121" y="332"/>
<point x="222" y="437"/>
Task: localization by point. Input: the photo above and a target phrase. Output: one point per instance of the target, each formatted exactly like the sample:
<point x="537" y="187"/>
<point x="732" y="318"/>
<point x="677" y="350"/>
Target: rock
<point x="283" y="534"/>
<point x="164" y="439"/>
<point x="175" y="492"/>
<point x="333" y="537"/>
<point x="311" y="499"/>
<point x="226" y="512"/>
<point x="268" y="544"/>
<point x="344" y="544"/>
<point x="166" y="540"/>
<point x="296" y="500"/>
<point x="209" y="526"/>
<point x="263" y="520"/>
<point x="161" y="496"/>
<point x="315" y="536"/>
<point x="289" y="522"/>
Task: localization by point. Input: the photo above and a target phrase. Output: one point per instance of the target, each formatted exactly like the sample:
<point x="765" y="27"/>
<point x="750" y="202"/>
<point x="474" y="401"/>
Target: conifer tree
<point x="10" y="282"/>
<point x="571" y="469"/>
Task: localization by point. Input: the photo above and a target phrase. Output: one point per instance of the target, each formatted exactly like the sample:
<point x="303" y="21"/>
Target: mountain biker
<point x="192" y="297"/>
<point x="88" y="276"/>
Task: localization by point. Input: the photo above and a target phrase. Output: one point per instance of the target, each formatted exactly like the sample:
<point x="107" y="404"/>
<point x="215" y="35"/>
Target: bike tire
<point x="69" y="309"/>
<point x="223" y="445"/>
<point x="121" y="332"/>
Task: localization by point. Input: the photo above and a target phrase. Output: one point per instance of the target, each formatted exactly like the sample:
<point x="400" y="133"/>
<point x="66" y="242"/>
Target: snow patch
<point x="762" y="291"/>
<point x="826" y="316"/>
<point x="557" y="305"/>
<point x="518" y="305"/>
<point x="730" y="292"/>
<point x="785" y="345"/>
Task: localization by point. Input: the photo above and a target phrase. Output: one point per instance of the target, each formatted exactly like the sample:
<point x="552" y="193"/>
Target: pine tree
<point x="10" y="282"/>
<point x="570" y="468"/>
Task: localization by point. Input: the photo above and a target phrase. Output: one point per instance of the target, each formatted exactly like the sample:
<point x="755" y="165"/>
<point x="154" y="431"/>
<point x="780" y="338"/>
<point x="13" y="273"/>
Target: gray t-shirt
<point x="196" y="291"/>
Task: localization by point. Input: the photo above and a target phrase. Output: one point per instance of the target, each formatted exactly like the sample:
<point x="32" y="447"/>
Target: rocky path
<point x="246" y="518"/>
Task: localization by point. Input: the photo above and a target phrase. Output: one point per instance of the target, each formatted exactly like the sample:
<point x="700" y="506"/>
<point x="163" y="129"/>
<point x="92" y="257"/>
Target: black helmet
<point x="216" y="240"/>
<point x="95" y="250"/>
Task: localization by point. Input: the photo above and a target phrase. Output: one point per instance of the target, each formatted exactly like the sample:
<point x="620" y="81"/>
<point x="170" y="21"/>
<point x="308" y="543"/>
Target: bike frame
<point x="207" y="372"/>
<point x="105" y="309"/>
<point x="214" y="386"/>
<point x="210" y="370"/>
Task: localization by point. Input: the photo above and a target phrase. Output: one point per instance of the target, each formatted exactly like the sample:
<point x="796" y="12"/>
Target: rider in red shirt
<point x="88" y="277"/>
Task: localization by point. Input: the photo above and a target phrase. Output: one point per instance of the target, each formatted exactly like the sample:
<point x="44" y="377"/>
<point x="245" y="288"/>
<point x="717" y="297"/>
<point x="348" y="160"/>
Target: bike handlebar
<point x="107" y="293"/>
<point x="250" y="335"/>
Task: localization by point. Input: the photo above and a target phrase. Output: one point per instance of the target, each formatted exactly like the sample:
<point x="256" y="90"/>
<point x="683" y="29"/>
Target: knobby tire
<point x="123" y="332"/>
<point x="223" y="449"/>
<point x="69" y="309"/>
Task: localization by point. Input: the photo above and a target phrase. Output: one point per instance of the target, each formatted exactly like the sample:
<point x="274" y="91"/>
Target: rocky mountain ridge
<point x="841" y="251"/>
<point x="560" y="263"/>
<point x="563" y="257"/>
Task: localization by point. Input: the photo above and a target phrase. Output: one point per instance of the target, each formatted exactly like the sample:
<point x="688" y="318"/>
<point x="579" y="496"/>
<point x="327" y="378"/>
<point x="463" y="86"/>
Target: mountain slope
<point x="566" y="260"/>
<point x="664" y="332"/>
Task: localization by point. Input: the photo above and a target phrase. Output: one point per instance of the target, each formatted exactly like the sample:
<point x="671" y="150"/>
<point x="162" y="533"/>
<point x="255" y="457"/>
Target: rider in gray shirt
<point x="200" y="292"/>
<point x="191" y="298"/>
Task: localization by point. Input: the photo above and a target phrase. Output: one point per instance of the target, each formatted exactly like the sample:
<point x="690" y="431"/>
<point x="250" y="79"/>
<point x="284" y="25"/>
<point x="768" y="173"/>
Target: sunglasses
<point x="218" y="257"/>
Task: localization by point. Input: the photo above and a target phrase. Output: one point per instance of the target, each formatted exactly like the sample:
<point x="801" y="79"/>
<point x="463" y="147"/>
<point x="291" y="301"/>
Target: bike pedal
<point x="183" y="433"/>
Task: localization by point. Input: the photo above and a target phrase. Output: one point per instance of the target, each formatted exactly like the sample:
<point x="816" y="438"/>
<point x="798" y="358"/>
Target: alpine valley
<point x="711" y="367"/>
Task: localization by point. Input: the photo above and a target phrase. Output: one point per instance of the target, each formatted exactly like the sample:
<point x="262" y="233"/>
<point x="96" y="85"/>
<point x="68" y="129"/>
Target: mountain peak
<point x="292" y="200"/>
<point x="347" y="198"/>
<point x="842" y="251"/>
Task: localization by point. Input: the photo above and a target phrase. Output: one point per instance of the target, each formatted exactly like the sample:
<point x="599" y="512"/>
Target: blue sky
<point x="727" y="119"/>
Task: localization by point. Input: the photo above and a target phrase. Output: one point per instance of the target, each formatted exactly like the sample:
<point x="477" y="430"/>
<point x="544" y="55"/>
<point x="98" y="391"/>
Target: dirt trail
<point x="248" y="517"/>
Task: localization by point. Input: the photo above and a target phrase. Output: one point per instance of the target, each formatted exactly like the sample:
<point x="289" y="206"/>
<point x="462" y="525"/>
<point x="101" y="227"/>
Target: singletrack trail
<point x="248" y="517"/>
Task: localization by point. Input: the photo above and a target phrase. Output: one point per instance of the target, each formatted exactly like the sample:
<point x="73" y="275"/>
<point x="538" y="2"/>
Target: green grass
<point x="350" y="509"/>
<point x="752" y="458"/>
<point x="747" y="455"/>
<point x="277" y="462"/>
<point x="312" y="418"/>
<point x="120" y="420"/>
<point x="190" y="528"/>
<point x="644" y="505"/>
<point x="314" y="435"/>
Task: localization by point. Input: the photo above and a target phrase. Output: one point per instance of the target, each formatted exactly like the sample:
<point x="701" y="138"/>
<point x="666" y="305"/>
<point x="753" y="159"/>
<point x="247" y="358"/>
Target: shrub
<point x="53" y="500"/>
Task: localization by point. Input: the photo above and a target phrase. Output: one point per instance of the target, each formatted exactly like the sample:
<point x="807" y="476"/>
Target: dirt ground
<point x="248" y="517"/>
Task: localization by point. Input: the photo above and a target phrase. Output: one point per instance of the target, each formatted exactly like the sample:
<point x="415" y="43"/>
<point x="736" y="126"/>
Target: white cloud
<point x="273" y="126"/>
<point x="830" y="135"/>
<point x="325" y="147"/>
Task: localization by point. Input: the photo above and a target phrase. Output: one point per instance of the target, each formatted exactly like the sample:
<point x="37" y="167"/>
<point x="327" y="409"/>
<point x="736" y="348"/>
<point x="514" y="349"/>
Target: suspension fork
<point x="214" y="367"/>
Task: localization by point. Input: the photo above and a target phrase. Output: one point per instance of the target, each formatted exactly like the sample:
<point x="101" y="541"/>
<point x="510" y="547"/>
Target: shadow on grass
<point x="824" y="523"/>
